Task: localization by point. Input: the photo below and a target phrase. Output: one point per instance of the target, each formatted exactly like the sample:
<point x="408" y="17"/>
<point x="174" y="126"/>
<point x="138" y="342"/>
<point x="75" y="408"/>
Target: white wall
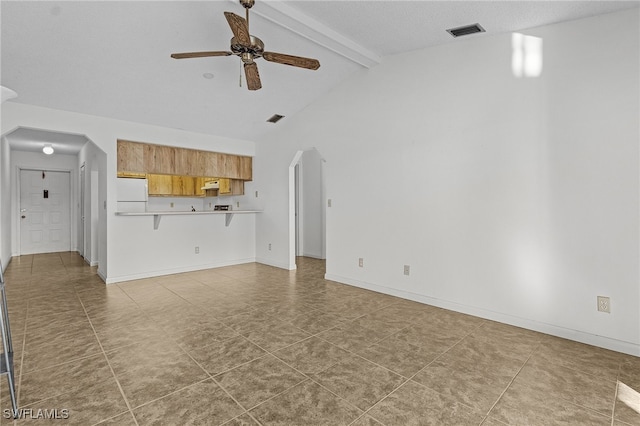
<point x="311" y="204"/>
<point x="95" y="161"/>
<point x="511" y="198"/>
<point x="118" y="259"/>
<point x="39" y="161"/>
<point x="5" y="202"/>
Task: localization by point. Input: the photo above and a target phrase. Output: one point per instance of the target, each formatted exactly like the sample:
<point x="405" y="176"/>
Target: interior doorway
<point x="307" y="206"/>
<point x="82" y="237"/>
<point x="45" y="211"/>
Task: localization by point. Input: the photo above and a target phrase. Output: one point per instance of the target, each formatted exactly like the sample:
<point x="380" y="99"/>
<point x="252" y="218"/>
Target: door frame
<point x="19" y="203"/>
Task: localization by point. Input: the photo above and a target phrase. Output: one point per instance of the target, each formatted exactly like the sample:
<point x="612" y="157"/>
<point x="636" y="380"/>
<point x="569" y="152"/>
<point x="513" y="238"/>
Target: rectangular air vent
<point x="466" y="30"/>
<point x="275" y="118"/>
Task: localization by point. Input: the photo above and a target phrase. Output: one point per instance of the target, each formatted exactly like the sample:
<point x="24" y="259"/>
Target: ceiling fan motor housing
<point x="256" y="49"/>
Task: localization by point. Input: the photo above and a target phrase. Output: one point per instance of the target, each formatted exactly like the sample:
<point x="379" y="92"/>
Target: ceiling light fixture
<point x="48" y="149"/>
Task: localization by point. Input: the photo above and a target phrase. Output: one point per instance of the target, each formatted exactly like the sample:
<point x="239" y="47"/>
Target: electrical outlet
<point x="256" y="194"/>
<point x="360" y="262"/>
<point x="269" y="246"/>
<point x="197" y="250"/>
<point x="407" y="269"/>
<point x="329" y="202"/>
<point x="238" y="204"/>
<point x="209" y="205"/>
<point x="171" y="205"/>
<point x="604" y="304"/>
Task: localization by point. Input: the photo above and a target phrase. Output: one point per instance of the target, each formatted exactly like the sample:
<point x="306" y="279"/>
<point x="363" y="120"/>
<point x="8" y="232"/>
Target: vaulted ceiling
<point x="112" y="58"/>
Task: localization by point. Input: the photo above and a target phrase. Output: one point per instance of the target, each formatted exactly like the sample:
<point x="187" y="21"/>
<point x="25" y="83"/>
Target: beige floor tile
<point x="87" y="404"/>
<point x="399" y="355"/>
<point x="202" y="403"/>
<point x="165" y="336"/>
<point x="353" y="337"/>
<point x="520" y="406"/>
<point x="561" y="383"/>
<point x="414" y="404"/>
<point x="627" y="406"/>
<point x="124" y="419"/>
<point x="242" y="420"/>
<point x="274" y="336"/>
<point x="63" y="378"/>
<point x="150" y="370"/>
<point x="253" y="383"/>
<point x="360" y="382"/>
<point x="312" y="355"/>
<point x="306" y="404"/>
<point x="222" y="356"/>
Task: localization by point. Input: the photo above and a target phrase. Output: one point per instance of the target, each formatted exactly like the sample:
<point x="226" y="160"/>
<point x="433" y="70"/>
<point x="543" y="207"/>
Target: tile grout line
<point x="416" y="373"/>
<point x="104" y="354"/>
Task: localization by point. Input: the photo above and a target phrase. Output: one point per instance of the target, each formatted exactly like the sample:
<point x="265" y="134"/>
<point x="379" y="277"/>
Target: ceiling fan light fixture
<point x="48" y="149"/>
<point x="275" y="118"/>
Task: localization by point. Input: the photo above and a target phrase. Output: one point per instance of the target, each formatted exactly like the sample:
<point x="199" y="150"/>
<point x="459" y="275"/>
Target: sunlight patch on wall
<point x="526" y="59"/>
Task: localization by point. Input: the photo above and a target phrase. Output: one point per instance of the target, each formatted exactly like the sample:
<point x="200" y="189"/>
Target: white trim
<point x="554" y="330"/>
<point x="122" y="278"/>
<point x="299" y="23"/>
<point x="270" y="262"/>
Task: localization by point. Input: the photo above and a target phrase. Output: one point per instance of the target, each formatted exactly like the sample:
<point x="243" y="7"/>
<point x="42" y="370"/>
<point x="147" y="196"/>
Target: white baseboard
<point x="313" y="255"/>
<point x="271" y="262"/>
<point x="554" y="330"/>
<point x="150" y="274"/>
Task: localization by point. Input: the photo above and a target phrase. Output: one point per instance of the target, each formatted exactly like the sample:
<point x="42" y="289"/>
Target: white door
<point x="45" y="211"/>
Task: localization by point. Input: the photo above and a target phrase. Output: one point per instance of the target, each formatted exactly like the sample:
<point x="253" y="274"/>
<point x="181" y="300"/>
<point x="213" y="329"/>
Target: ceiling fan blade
<point x="239" y="28"/>
<point x="253" y="78"/>
<point x="295" y="61"/>
<point x="199" y="54"/>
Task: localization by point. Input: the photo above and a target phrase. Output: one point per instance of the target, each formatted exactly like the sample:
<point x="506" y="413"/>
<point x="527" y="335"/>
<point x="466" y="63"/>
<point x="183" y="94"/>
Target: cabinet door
<point x="209" y="162"/>
<point x="229" y="166"/>
<point x="225" y="186"/>
<point x="160" y="184"/>
<point x="185" y="162"/>
<point x="246" y="168"/>
<point x="237" y="187"/>
<point x="159" y="159"/>
<point x="130" y="157"/>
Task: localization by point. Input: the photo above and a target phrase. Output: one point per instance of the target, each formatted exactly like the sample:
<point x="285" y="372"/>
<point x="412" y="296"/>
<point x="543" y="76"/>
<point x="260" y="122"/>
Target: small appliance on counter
<point x="222" y="207"/>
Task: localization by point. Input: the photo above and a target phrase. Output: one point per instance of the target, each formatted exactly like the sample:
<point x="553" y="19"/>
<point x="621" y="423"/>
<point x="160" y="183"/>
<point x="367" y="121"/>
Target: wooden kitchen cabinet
<point x="246" y="168"/>
<point x="183" y="186"/>
<point x="160" y="184"/>
<point x="229" y="166"/>
<point x="159" y="159"/>
<point x="130" y="157"/>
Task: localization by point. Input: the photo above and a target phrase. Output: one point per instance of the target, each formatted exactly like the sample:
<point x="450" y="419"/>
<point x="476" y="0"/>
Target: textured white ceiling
<point x="111" y="58"/>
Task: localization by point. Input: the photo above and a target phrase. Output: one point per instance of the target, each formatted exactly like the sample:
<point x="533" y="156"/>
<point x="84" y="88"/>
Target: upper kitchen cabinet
<point x="246" y="168"/>
<point x="130" y="157"/>
<point x="160" y="159"/>
<point x="229" y="166"/>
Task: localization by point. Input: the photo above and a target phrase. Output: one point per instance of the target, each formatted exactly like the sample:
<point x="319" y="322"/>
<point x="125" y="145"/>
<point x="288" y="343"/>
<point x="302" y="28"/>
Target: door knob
<point x="23" y="216"/>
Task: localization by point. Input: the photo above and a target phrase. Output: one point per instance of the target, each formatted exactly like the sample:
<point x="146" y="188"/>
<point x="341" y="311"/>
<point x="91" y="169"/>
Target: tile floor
<point x="253" y="344"/>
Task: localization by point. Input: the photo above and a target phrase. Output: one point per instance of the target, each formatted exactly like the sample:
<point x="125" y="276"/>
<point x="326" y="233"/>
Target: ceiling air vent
<point x="275" y="118"/>
<point x="466" y="30"/>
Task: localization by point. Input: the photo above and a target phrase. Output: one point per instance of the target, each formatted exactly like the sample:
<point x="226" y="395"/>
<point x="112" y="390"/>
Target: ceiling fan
<point x="248" y="48"/>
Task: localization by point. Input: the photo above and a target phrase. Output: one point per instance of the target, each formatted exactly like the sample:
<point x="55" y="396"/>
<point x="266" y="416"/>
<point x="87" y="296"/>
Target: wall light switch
<point x="329" y="202"/>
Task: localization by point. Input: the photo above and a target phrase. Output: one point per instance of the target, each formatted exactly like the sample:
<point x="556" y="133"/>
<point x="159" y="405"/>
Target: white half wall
<point x="514" y="199"/>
